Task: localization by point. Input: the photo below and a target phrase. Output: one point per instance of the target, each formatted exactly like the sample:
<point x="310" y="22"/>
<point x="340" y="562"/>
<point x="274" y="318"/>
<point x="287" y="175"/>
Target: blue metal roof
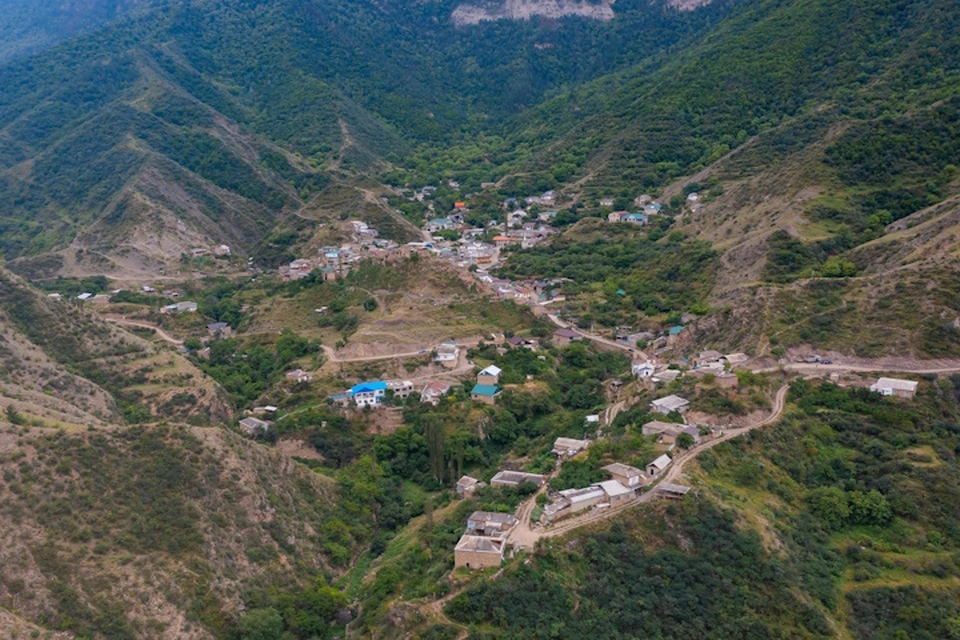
<point x="485" y="390"/>
<point x="675" y="330"/>
<point x="366" y="387"/>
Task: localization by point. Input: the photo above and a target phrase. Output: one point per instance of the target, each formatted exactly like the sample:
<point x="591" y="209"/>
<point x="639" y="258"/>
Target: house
<point x="593" y="419"/>
<point x="666" y="376"/>
<point x="516" y="478"/>
<point x="616" y="493"/>
<point x="634" y="218"/>
<point x="219" y="329"/>
<point x="515" y="218"/>
<point x="565" y="336"/>
<point x="643" y="370"/>
<point x="727" y="381"/>
<point x="460" y="206"/>
<point x="656" y="467"/>
<point x="693" y="432"/>
<point x="735" y="358"/>
<point x="489" y="523"/>
<point x="693" y="197"/>
<point x="181" y="307"/>
<point x="652" y="209"/>
<point x="254" y="426"/>
<point x="667" y="432"/>
<point x="523" y="343"/>
<point x="490" y="375"/>
<point x="674" y="333"/>
<point x="447" y="354"/>
<point x="895" y="387"/>
<point x="439" y="224"/>
<point x="501" y="242"/>
<point x="548" y="197"/>
<point x="709" y="356"/>
<point x="547" y="216"/>
<point x="84" y="296"/>
<point x="467" y="485"/>
<point x="299" y="376"/>
<point x="433" y="391"/>
<point x="669" y="404"/>
<point x="625" y="474"/>
<point x="478" y="552"/>
<point x="485" y="393"/>
<point x="616" y="216"/>
<point x="642" y="200"/>
<point x="221" y="251"/>
<point x="672" y="491"/>
<point x="568" y="447"/>
<point x="606" y="202"/>
<point x="585" y="498"/>
<point x="368" y="394"/>
<point x="400" y="388"/>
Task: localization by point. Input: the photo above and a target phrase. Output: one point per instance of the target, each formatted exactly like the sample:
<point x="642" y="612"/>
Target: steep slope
<point x="64" y="365"/>
<point x="153" y="533"/>
<point x="815" y="158"/>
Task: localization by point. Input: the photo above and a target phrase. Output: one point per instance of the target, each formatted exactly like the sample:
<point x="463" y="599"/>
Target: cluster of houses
<point x="625" y="484"/>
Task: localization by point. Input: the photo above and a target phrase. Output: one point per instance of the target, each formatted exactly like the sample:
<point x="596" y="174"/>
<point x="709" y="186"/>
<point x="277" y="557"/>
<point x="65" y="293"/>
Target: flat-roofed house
<point x="478" y="552"/>
<point x="467" y="486"/>
<point x="515" y="478"/>
<point x="254" y="426"/>
<point x="490" y="523"/>
<point x="568" y="447"/>
<point x="585" y="498"/>
<point x="895" y="387"/>
<point x="565" y="336"/>
<point x="625" y="474"/>
<point x="669" y="404"/>
<point x="616" y="493"/>
<point x="667" y="432"/>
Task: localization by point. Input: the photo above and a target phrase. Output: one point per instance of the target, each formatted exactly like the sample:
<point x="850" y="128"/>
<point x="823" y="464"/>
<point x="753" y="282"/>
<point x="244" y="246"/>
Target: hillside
<point x="63" y="365"/>
<point x="175" y="130"/>
<point x="155" y="533"/>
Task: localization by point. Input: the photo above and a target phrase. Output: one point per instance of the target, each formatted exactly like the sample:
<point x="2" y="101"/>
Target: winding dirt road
<point x="163" y="335"/>
<point x="524" y="535"/>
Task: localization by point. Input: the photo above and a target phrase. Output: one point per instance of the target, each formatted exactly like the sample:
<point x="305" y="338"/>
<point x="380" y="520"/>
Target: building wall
<point x="586" y="504"/>
<point x="475" y="560"/>
<point x="491" y="400"/>
<point x="489" y="380"/>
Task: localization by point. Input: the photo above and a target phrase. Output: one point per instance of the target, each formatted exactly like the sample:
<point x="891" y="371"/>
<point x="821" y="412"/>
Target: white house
<point x="669" y="404"/>
<point x="895" y="387"/>
<point x="656" y="467"/>
<point x="643" y="370"/>
<point x="490" y="375"/>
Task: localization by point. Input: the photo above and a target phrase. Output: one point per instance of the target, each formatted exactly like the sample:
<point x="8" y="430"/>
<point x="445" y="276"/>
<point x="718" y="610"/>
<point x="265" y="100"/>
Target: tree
<point x="436" y="443"/>
<point x="830" y="504"/>
<point x="685" y="441"/>
<point x="261" y="624"/>
<point x="14" y="416"/>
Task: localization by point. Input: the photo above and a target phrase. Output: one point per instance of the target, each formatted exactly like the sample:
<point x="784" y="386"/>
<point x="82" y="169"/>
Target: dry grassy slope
<point x="420" y="304"/>
<point x="902" y="301"/>
<point x="154" y="532"/>
<point x="62" y="364"/>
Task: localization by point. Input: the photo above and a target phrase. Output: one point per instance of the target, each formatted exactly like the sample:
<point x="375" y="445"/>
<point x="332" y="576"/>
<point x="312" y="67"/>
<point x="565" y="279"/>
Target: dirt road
<point x="163" y="335"/>
<point x="526" y="536"/>
<point x="636" y="353"/>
